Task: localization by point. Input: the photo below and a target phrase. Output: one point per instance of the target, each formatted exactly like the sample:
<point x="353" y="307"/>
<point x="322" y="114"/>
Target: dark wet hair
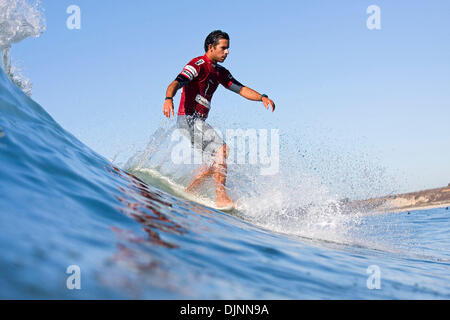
<point x="214" y="37"/>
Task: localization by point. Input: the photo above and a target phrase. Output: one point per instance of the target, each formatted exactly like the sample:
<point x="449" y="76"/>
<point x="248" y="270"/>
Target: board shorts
<point x="202" y="136"/>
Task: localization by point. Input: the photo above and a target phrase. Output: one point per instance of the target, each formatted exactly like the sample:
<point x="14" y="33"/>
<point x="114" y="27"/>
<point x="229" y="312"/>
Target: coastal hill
<point x="425" y="199"/>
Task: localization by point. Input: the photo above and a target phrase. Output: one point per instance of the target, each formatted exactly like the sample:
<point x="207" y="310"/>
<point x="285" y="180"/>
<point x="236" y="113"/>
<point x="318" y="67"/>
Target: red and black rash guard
<point x="199" y="80"/>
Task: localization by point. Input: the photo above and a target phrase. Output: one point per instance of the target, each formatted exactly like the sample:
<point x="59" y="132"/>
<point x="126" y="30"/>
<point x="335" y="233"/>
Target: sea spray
<point x="307" y="198"/>
<point x="15" y="74"/>
<point x="297" y="200"/>
<point x="19" y="19"/>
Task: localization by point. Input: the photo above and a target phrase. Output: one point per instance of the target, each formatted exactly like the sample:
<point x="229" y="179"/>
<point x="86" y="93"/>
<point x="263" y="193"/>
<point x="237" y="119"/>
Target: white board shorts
<point x="202" y="136"/>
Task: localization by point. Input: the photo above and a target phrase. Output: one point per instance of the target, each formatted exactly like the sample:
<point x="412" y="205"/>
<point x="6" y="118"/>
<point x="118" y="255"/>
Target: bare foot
<point x="192" y="191"/>
<point x="199" y="179"/>
<point x="225" y="202"/>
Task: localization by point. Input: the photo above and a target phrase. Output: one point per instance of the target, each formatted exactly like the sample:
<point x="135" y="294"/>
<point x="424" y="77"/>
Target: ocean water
<point x="63" y="205"/>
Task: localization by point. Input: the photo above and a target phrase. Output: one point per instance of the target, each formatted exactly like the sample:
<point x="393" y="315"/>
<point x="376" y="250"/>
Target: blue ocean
<point x="75" y="225"/>
<point x="64" y="205"/>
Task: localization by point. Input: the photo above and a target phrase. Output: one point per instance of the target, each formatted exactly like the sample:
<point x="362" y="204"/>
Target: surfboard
<point x="177" y="189"/>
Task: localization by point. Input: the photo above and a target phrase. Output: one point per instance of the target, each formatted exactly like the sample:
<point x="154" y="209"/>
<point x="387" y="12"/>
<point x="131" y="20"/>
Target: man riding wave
<point x="199" y="80"/>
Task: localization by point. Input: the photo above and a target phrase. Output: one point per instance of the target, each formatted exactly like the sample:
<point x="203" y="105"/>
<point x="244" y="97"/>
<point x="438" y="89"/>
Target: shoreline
<point x="415" y="208"/>
<point x="412" y="201"/>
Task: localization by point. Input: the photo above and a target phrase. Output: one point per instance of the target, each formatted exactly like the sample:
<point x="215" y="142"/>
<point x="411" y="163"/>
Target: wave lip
<point x="19" y="20"/>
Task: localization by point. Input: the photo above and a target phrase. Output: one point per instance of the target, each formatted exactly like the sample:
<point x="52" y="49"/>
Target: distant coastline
<point x="420" y="200"/>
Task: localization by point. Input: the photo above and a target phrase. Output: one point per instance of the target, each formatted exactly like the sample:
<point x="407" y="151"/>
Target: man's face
<point x="220" y="51"/>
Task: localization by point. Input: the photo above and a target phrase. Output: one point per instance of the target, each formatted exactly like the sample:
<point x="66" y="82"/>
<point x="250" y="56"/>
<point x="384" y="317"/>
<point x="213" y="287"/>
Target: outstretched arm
<point x="251" y="94"/>
<point x="229" y="82"/>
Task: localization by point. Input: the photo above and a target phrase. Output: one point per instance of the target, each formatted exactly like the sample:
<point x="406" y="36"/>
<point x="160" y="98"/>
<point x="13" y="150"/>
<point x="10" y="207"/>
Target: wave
<point x="62" y="203"/>
<point x="20" y="19"/>
<point x="291" y="202"/>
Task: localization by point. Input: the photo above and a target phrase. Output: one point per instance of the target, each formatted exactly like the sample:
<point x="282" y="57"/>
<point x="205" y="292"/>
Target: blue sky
<point x="386" y="92"/>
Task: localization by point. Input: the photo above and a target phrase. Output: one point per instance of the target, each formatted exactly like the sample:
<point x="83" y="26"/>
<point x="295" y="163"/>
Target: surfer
<point x="199" y="80"/>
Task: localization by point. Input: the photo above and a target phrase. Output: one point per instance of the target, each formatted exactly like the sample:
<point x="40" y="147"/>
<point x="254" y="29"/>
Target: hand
<point x="267" y="102"/>
<point x="168" y="108"/>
